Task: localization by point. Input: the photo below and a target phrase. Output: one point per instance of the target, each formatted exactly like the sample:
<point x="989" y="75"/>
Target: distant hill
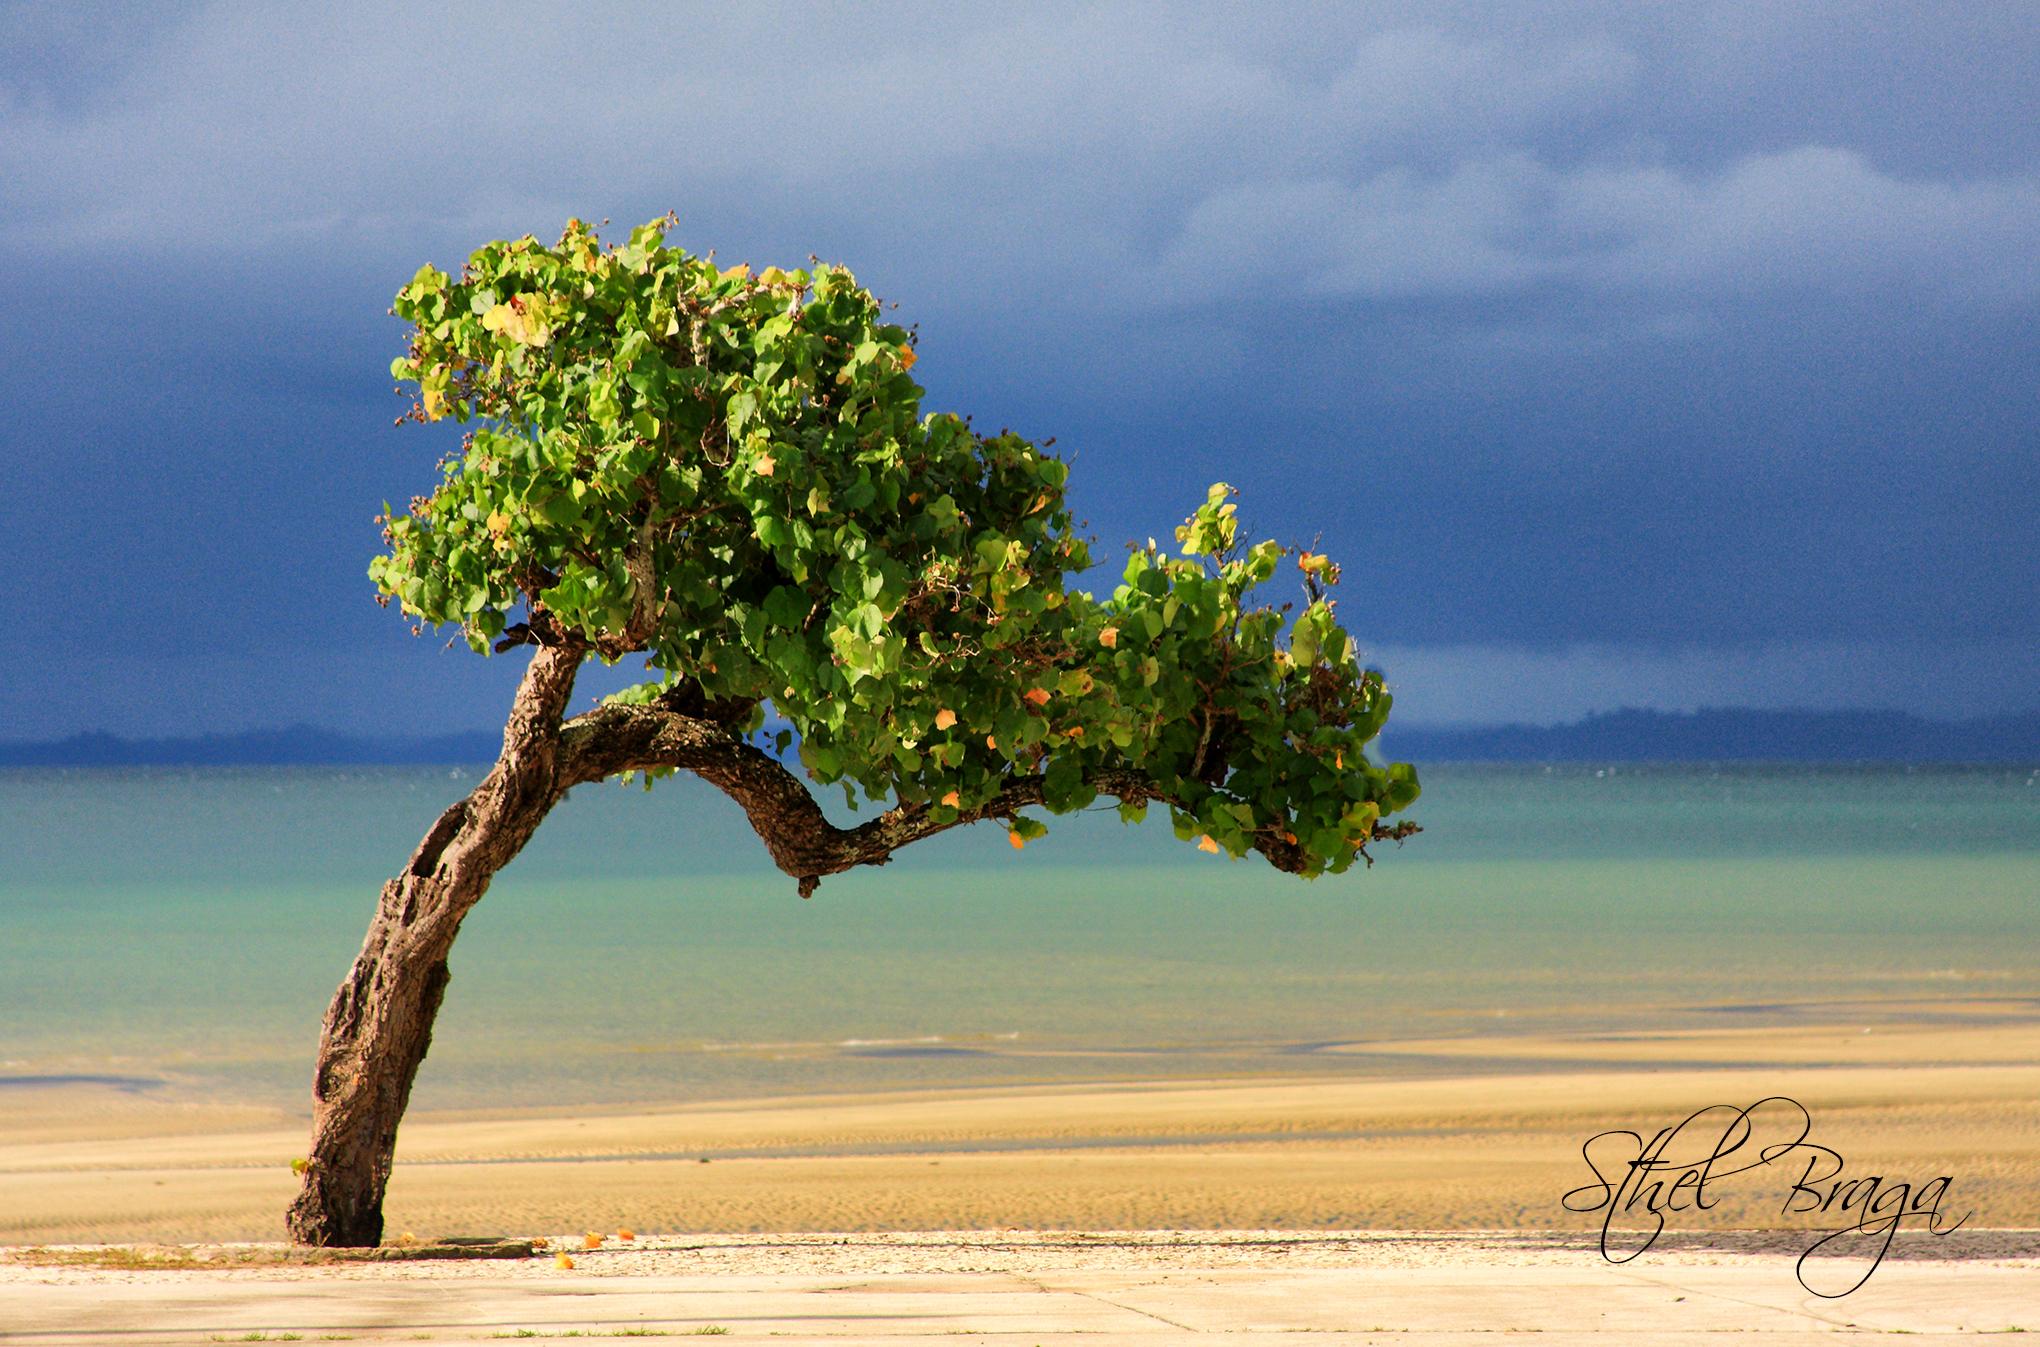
<point x="1729" y="734"/>
<point x="1719" y="735"/>
<point x="299" y="745"/>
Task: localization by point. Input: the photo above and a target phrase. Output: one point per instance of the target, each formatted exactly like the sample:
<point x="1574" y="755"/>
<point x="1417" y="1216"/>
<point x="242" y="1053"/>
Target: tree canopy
<point x="729" y="474"/>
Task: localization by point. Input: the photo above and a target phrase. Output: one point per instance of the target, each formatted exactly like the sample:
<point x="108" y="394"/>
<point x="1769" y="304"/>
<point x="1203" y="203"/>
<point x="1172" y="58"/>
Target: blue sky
<point x="1627" y="355"/>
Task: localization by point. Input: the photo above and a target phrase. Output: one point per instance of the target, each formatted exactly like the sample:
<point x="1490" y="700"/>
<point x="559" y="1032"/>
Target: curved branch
<point x="802" y="840"/>
<point x="800" y="837"/>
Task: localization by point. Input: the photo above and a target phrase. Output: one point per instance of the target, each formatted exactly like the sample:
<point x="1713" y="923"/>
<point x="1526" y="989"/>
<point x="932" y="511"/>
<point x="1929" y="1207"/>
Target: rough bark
<point x="379" y="1025"/>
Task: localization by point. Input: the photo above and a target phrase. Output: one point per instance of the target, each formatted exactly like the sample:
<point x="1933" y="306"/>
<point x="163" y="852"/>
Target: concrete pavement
<point x="1437" y="1290"/>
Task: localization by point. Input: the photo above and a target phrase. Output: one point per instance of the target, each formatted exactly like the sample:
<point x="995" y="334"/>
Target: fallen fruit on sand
<point x="562" y="1260"/>
<point x="626" y="1233"/>
<point x="591" y="1241"/>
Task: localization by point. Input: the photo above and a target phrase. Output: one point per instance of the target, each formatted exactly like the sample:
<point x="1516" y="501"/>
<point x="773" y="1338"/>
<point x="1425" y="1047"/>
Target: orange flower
<point x="991" y="742"/>
<point x="1016" y="839"/>
<point x="1039" y="696"/>
<point x="1075" y="731"/>
<point x="953" y="800"/>
<point x="1205" y="843"/>
<point x="907" y="357"/>
<point x="764" y="465"/>
<point x="1109" y="637"/>
<point x="944" y="718"/>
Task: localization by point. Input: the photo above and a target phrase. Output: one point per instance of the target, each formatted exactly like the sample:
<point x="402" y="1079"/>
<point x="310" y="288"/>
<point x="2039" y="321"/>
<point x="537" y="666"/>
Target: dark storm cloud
<point x="1689" y="344"/>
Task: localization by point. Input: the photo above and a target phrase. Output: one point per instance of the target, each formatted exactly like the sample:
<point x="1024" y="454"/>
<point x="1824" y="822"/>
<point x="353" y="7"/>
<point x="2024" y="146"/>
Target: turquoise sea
<point x="181" y="930"/>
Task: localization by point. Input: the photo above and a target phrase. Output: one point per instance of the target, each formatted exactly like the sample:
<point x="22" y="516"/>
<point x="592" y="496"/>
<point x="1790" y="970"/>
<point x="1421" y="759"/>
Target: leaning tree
<point x="727" y="475"/>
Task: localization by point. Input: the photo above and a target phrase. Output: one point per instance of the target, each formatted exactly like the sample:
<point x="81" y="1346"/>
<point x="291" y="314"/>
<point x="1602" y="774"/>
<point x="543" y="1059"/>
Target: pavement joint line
<point x="1802" y="1310"/>
<point x="1130" y="1309"/>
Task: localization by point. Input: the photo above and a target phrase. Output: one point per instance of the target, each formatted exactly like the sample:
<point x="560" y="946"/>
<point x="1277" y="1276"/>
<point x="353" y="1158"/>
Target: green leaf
<point x="1063" y="788"/>
<point x="787" y="607"/>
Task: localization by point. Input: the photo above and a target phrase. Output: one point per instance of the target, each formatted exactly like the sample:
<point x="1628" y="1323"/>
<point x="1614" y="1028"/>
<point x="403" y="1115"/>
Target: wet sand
<point x="1493" y="1146"/>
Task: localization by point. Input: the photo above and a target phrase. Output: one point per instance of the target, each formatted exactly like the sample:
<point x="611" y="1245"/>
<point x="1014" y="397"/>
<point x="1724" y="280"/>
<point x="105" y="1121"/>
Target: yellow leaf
<point x="520" y="321"/>
<point x="772" y="276"/>
<point x="1016" y="839"/>
<point x="944" y="718"/>
<point x="499" y="523"/>
<point x="1109" y="637"/>
<point x="764" y="466"/>
<point x="953" y="800"/>
<point x="435" y="403"/>
<point x="740" y="269"/>
<point x="1205" y="843"/>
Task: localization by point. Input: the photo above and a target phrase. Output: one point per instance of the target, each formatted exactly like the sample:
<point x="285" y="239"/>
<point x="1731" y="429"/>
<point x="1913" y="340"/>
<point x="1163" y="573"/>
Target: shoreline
<point x="1482" y="1149"/>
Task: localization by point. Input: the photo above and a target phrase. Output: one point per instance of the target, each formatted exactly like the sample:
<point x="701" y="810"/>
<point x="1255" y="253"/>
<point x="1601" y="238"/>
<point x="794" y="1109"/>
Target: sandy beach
<point x="1368" y="1209"/>
<point x="1492" y="1145"/>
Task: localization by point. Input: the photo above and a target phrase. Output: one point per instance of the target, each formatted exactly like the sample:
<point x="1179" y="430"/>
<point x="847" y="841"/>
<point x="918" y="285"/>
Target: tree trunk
<point x="380" y="1023"/>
